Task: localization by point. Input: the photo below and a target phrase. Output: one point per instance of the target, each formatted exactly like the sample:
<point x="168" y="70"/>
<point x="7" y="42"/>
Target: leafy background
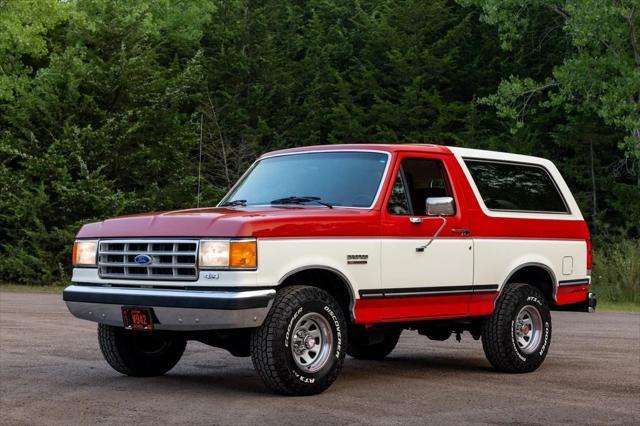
<point x="102" y="103"/>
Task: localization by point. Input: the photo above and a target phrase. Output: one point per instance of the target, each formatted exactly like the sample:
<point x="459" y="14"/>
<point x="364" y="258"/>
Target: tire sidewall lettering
<point x="546" y="338"/>
<point x="302" y="378"/>
<point x="534" y="299"/>
<point x="325" y="310"/>
<point x="337" y="330"/>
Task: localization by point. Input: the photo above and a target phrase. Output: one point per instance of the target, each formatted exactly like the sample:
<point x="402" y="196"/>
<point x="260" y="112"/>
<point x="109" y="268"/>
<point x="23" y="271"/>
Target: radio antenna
<point x="199" y="161"/>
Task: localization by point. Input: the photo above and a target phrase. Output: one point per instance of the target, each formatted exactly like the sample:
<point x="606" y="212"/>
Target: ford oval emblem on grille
<point x="143" y="259"/>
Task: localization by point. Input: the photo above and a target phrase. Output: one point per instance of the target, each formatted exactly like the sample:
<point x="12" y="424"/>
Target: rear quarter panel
<point x="506" y="241"/>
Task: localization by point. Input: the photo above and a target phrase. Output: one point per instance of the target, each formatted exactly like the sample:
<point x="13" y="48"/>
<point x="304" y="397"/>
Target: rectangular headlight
<point x="84" y="252"/>
<point x="214" y="254"/>
<point x="227" y="254"/>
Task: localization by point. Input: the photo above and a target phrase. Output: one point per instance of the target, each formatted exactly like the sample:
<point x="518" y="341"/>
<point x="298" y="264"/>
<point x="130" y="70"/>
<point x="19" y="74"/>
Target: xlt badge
<point x="357" y="259"/>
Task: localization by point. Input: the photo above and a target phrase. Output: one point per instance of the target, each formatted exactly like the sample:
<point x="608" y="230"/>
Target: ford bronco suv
<point x="323" y="251"/>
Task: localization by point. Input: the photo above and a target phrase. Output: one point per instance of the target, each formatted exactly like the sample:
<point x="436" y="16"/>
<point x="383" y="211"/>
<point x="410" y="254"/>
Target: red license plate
<point x="137" y="318"/>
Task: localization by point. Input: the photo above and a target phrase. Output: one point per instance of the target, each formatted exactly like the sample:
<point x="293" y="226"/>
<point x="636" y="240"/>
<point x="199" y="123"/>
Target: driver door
<point x="427" y="261"/>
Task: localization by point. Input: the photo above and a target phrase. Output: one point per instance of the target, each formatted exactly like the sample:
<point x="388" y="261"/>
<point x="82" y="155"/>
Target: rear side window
<point x="516" y="187"/>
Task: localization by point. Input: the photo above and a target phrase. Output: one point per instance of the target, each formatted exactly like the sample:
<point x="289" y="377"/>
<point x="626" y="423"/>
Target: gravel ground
<point x="51" y="372"/>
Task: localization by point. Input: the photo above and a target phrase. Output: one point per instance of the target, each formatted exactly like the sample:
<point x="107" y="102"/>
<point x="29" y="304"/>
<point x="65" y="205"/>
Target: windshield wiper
<point x="300" y="200"/>
<point x="234" y="203"/>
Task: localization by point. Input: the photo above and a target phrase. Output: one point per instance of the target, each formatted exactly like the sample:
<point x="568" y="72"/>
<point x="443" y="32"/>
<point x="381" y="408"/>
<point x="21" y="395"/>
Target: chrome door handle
<point x="465" y="232"/>
<point x="414" y="219"/>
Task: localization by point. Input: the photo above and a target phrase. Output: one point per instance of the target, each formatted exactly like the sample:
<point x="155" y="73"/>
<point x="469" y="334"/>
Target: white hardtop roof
<point x="497" y="155"/>
<point x="467" y="153"/>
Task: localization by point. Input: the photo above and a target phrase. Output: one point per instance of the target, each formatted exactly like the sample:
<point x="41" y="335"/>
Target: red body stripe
<point x="482" y="304"/>
<point x="572" y="294"/>
<point x="396" y="309"/>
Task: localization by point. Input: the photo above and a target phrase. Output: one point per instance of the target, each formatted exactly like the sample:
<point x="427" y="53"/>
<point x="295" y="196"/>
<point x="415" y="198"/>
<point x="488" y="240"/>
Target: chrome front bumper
<point x="174" y="309"/>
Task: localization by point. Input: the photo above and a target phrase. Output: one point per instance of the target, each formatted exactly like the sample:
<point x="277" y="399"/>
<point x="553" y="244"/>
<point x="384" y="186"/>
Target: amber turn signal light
<point x="243" y="254"/>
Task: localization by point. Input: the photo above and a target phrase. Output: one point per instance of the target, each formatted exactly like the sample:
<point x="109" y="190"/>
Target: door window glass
<point x="423" y="178"/>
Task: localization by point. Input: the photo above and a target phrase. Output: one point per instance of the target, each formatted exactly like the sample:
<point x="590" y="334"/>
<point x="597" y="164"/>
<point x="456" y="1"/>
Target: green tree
<point x="25" y="31"/>
<point x="98" y="121"/>
<point x="599" y="72"/>
<point x="102" y="103"/>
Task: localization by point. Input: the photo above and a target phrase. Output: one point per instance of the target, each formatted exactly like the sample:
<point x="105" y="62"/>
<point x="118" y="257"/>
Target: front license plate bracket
<point x="138" y="319"/>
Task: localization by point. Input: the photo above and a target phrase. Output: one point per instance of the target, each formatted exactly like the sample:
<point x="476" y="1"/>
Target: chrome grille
<point x="171" y="259"/>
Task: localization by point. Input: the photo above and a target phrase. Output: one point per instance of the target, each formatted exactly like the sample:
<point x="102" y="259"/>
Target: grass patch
<point x="617" y="307"/>
<point x="615" y="278"/>
<point x="26" y="288"/>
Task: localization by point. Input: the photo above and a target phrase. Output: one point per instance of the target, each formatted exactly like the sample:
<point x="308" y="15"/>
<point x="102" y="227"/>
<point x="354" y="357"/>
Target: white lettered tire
<point x="516" y="337"/>
<point x="300" y="347"/>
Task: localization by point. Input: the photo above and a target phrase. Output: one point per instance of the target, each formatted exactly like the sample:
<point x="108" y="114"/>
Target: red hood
<point x="239" y="222"/>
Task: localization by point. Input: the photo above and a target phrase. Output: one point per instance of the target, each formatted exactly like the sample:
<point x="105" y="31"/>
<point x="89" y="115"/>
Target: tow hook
<point x="592" y="302"/>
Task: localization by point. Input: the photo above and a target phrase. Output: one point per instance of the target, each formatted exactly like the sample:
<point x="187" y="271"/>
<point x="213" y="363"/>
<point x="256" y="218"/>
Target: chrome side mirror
<point x="440" y="206"/>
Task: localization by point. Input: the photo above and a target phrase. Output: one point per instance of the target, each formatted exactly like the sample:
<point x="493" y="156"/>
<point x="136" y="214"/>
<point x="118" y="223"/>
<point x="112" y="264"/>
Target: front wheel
<point x="140" y="353"/>
<point x="516" y="337"/>
<point x="299" y="349"/>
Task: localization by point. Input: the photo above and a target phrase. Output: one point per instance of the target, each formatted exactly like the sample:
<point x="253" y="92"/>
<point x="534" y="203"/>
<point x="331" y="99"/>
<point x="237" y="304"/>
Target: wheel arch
<point x="536" y="274"/>
<point x="330" y="279"/>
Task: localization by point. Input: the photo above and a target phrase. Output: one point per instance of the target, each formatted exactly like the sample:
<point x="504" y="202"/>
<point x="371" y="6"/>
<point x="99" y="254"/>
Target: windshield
<point x="346" y="178"/>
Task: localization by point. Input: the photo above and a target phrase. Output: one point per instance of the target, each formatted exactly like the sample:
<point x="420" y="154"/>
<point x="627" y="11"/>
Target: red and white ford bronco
<point x="323" y="251"/>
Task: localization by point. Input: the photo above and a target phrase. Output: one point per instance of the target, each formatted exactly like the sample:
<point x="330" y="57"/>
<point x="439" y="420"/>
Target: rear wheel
<point x="516" y="337"/>
<point x="299" y="349"/>
<point x="362" y="347"/>
<point x="139" y="354"/>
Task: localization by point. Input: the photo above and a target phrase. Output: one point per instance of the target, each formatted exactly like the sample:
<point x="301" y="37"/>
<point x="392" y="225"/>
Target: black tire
<point x="360" y="348"/>
<point x="272" y="344"/>
<point x="139" y="354"/>
<point x="499" y="337"/>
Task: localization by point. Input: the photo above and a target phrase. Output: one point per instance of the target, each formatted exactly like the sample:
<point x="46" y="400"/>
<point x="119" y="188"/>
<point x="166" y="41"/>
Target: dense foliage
<point x="102" y="103"/>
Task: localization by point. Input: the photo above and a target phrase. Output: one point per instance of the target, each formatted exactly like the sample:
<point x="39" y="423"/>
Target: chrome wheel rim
<point x="528" y="329"/>
<point x="311" y="342"/>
